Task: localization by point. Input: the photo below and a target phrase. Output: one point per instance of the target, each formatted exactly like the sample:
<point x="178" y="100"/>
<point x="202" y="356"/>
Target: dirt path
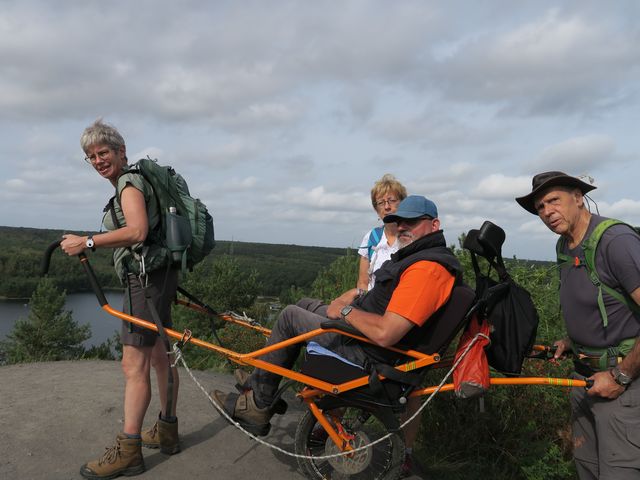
<point x="56" y="416"/>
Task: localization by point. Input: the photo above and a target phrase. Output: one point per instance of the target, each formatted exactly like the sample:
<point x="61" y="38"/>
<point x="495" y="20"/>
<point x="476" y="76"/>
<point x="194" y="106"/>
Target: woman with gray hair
<point x="143" y="267"/>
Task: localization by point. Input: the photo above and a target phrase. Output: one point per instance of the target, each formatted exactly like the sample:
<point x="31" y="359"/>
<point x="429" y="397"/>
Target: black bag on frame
<point x="506" y="305"/>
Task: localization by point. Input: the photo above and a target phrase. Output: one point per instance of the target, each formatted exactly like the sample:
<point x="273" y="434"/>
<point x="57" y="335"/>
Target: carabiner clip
<point x="186" y="336"/>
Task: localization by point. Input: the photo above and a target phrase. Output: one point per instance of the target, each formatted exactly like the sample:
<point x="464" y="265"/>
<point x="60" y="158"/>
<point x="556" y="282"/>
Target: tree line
<point x="277" y="267"/>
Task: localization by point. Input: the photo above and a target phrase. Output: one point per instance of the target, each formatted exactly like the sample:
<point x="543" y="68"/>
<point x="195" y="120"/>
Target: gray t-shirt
<point x="618" y="265"/>
<point x="127" y="259"/>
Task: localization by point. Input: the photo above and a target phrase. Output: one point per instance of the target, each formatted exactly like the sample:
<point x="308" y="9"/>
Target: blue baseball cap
<point x="414" y="206"/>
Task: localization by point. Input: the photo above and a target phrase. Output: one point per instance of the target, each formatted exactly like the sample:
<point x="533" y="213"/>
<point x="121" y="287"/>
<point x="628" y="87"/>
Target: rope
<point x="224" y="414"/>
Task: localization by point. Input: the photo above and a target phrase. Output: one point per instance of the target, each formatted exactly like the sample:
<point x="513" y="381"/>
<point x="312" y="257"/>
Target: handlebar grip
<point x="46" y="260"/>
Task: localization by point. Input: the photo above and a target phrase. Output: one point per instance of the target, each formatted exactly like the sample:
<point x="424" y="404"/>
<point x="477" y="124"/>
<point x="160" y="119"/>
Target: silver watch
<point x="345" y="311"/>
<point x="620" y="377"/>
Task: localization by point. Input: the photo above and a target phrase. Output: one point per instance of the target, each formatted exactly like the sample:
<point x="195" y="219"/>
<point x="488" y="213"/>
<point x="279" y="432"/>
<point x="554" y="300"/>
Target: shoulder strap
<point x="374" y="239"/>
<point x="156" y="232"/>
<point x="591" y="243"/>
<point x="562" y="258"/>
<point x="590" y="246"/>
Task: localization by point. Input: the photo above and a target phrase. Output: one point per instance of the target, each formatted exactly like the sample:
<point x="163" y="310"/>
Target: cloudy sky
<point x="282" y="114"/>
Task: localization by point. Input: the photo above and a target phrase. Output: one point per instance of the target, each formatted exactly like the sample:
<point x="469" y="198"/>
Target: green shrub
<point x="49" y="332"/>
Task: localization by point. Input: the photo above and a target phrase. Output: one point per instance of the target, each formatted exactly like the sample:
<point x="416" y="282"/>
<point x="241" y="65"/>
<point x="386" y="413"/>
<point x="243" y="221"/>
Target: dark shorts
<point x="162" y="285"/>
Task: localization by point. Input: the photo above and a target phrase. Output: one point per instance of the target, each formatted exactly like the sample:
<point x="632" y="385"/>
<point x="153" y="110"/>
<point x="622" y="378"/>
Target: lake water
<point x="84" y="308"/>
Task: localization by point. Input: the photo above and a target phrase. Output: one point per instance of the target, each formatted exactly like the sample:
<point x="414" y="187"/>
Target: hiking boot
<point x="151" y="438"/>
<point x="243" y="409"/>
<point x="124" y="458"/>
<point x="163" y="435"/>
<point x="241" y="377"/>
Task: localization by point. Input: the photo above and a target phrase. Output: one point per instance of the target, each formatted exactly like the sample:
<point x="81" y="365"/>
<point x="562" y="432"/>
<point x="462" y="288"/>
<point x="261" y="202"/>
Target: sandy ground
<point x="56" y="416"/>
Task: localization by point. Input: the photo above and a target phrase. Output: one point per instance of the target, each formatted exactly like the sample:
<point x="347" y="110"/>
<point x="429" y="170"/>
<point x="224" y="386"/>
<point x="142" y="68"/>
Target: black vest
<point x="431" y="247"/>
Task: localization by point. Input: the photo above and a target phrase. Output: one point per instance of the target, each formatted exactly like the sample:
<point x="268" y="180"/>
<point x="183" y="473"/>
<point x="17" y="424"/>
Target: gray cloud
<point x="281" y="115"/>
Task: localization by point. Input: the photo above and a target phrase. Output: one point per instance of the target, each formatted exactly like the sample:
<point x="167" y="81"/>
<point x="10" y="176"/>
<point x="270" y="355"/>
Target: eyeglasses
<point x="102" y="155"/>
<point x="389" y="201"/>
<point x="412" y="222"/>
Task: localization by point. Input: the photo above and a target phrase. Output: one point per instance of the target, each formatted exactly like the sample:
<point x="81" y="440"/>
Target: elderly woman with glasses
<point x="380" y="242"/>
<point x="150" y="283"/>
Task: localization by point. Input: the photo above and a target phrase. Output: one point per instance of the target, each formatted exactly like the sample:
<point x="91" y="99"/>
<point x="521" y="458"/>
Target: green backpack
<point x="186" y="227"/>
<point x="589" y="246"/>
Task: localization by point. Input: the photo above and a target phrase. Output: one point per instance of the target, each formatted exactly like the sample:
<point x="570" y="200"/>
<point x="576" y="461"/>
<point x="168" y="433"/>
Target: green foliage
<point x="291" y="295"/>
<point x="522" y="431"/>
<point x="337" y="278"/>
<point x="224" y="286"/>
<point x="21" y="253"/>
<point x="111" y="349"/>
<point x="278" y="267"/>
<point x="49" y="332"/>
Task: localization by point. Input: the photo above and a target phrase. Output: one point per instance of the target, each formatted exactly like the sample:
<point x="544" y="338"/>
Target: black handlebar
<point x="95" y="286"/>
<point x="46" y="260"/>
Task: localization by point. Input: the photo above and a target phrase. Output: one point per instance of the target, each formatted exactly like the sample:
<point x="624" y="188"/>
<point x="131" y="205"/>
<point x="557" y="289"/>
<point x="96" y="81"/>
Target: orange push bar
<point x="556" y="382"/>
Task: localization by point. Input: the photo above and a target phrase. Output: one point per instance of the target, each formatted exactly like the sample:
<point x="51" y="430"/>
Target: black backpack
<point x="505" y="304"/>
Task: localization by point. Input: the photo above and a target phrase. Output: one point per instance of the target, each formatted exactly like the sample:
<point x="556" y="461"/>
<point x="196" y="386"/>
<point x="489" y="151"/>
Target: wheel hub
<point x="352" y="463"/>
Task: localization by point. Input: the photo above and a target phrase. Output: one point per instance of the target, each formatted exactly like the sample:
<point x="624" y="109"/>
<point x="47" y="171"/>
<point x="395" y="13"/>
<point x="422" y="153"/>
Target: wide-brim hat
<point x="545" y="180"/>
<point x="414" y="206"/>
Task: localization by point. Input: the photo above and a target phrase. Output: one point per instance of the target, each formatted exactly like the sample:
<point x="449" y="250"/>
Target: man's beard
<point x="405" y="238"/>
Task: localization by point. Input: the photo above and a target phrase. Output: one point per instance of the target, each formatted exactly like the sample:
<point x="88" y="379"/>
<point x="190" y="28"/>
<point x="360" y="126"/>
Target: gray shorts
<point x="162" y="285"/>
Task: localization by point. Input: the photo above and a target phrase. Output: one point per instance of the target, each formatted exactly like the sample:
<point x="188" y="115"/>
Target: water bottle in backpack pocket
<point x="178" y="237"/>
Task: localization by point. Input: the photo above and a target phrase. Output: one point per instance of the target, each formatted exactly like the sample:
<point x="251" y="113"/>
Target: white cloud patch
<point x="545" y="65"/>
<point x="239" y="184"/>
<point x="500" y="186"/>
<point x="318" y="198"/>
<point x="579" y="155"/>
<point x="625" y="209"/>
<point x="533" y="226"/>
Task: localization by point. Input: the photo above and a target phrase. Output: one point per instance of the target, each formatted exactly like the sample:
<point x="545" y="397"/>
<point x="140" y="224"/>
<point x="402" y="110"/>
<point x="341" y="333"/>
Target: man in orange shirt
<point x="409" y="289"/>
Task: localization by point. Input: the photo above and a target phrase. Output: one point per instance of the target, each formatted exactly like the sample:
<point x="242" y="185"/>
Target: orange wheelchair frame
<point x="337" y="437"/>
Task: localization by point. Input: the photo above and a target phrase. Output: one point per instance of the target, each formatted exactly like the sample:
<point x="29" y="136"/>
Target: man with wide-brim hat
<point x="602" y="329"/>
<point x="546" y="180"/>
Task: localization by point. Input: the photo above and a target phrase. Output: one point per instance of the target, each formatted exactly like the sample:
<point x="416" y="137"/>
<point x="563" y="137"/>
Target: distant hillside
<point x="22" y="249"/>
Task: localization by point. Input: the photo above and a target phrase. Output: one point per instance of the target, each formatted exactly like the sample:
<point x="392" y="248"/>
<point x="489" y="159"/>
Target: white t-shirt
<point x="381" y="253"/>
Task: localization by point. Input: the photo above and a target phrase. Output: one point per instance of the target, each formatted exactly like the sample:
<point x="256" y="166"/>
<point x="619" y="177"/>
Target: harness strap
<point x="165" y="340"/>
<point x="603" y="358"/>
<point x="374" y="240"/>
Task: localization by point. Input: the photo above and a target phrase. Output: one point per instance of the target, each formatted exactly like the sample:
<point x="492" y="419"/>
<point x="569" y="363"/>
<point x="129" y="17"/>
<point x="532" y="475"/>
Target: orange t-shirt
<point x="423" y="288"/>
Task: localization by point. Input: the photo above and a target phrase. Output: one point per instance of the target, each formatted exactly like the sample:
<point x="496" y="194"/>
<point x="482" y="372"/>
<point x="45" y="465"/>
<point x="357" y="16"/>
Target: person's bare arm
<point x="363" y="274"/>
<point x="384" y="330"/>
<point x="136" y="229"/>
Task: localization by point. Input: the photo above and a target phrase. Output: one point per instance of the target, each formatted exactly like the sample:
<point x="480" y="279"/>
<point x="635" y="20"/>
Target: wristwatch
<point x="345" y="311"/>
<point x="620" y="377"/>
<point x="90" y="243"/>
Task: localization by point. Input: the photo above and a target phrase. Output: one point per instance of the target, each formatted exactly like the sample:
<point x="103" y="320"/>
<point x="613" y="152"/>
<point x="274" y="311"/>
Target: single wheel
<point x="361" y="426"/>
